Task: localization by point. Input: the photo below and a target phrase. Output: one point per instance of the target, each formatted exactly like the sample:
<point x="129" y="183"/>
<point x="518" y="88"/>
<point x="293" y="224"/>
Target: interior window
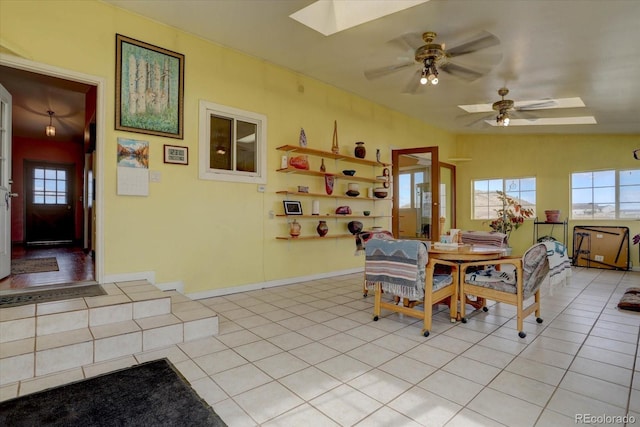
<point x="232" y="144"/>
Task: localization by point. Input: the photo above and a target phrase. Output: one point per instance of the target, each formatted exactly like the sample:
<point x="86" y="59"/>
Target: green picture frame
<point x="149" y="89"/>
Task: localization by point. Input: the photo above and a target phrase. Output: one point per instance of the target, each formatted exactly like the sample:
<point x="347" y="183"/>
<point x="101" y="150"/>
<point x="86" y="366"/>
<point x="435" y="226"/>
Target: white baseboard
<point x="171" y="286"/>
<point x="269" y="284"/>
<point x="149" y="276"/>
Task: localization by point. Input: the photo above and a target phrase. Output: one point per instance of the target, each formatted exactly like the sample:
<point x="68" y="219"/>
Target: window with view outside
<point x="409" y="189"/>
<point x="607" y="194"/>
<point x="485" y="197"/>
<point x="49" y="186"/>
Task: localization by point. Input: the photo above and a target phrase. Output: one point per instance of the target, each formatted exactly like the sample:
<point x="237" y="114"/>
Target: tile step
<point x="69" y="335"/>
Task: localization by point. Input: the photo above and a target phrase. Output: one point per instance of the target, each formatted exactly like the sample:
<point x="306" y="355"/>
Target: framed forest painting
<point x="149" y="88"/>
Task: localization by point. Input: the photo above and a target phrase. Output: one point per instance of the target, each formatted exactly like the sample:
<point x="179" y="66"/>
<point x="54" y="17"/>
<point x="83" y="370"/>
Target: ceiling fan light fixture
<point x="429" y="72"/>
<point x="503" y="118"/>
<point x="423" y="78"/>
<point x="50" y="130"/>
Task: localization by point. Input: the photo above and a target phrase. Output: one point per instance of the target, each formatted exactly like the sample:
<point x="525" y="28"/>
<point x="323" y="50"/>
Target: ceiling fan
<point x="507" y="109"/>
<point x="432" y="57"/>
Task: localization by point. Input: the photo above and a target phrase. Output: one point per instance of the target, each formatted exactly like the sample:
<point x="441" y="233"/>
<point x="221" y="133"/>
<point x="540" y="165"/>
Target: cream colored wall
<point x="549" y="158"/>
<point x="209" y="235"/>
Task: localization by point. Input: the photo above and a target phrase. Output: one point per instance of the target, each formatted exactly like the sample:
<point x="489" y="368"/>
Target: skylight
<point x="548" y="121"/>
<point x="332" y="16"/>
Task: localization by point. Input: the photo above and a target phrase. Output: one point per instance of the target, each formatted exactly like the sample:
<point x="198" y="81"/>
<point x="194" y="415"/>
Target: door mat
<point x="630" y="300"/>
<point x="33" y="265"/>
<point x="149" y="394"/>
<point x="48" y="295"/>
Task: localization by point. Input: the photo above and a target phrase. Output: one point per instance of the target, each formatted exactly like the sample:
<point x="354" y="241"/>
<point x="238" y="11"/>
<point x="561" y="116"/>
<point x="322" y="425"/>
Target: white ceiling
<point x="549" y="49"/>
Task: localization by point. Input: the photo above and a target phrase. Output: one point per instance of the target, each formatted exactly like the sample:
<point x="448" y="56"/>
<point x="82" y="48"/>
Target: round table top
<point x="465" y="252"/>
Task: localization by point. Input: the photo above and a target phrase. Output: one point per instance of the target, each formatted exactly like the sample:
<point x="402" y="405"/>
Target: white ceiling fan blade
<point x="484" y="40"/>
<point x="375" y="73"/>
<point x="413" y="85"/>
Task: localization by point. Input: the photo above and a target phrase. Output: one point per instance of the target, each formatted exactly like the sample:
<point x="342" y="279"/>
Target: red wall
<point x="48" y="151"/>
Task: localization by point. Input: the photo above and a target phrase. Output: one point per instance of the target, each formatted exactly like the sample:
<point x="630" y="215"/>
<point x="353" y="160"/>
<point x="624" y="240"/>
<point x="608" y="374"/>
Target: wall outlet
<point x="599" y="236"/>
<point x="599" y="258"/>
<point x="261" y="188"/>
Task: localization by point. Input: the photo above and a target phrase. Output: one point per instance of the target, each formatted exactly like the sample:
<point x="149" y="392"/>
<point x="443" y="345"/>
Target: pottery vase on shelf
<point x="322" y="228"/>
<point x="294" y="229"/>
<point x="360" y="151"/>
<point x="323" y="168"/>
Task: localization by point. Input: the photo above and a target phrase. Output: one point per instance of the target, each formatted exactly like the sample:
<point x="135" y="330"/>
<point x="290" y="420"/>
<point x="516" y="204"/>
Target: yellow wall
<point x="208" y="235"/>
<point x="550" y="159"/>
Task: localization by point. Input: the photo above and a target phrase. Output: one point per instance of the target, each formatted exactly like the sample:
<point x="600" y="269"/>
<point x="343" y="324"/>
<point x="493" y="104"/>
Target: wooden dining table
<point x="460" y="253"/>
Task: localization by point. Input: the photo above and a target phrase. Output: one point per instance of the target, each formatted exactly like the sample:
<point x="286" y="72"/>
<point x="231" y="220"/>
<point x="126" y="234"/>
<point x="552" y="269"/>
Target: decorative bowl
<point x="380" y="193"/>
<point x="353" y="193"/>
<point x="366" y="213"/>
<point x="349" y="172"/>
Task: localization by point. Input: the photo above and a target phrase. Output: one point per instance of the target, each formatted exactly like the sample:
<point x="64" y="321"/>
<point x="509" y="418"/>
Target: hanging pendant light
<point x="50" y="130"/>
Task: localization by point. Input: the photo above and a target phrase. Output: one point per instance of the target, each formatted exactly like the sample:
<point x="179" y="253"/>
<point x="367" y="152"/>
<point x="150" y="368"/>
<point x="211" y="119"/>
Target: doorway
<point x="423" y="194"/>
<point x="56" y="215"/>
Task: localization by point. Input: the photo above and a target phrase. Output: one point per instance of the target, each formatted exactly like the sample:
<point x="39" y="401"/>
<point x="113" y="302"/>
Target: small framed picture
<point x="176" y="154"/>
<point x="292" y="208"/>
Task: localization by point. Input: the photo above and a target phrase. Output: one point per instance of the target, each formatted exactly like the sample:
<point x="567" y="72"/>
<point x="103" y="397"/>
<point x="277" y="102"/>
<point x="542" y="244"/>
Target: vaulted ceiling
<point x="549" y="49"/>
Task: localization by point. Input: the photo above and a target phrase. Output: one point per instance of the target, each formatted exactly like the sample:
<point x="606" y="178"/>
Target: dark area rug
<point x="150" y="394"/>
<point x="33" y="265"/>
<point x="50" y="294"/>
<point x="630" y="300"/>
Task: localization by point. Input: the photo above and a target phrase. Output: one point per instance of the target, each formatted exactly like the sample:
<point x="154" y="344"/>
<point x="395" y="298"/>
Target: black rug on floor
<point x="149" y="394"/>
<point x="50" y="294"/>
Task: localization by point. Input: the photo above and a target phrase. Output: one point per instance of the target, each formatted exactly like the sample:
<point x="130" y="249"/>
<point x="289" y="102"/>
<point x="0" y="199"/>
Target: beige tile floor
<point x="309" y="354"/>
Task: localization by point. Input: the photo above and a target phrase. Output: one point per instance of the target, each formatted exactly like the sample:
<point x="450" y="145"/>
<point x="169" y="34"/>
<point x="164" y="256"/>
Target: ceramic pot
<point x="360" y="151"/>
<point x="355" y="227"/>
<point x="552" y="215"/>
<point x="322" y="228"/>
<point x="294" y="229"/>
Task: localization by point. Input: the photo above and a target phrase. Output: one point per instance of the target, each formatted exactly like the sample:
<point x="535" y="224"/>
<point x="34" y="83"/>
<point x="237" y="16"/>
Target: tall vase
<point x="322" y="228"/>
<point x="360" y="151"/>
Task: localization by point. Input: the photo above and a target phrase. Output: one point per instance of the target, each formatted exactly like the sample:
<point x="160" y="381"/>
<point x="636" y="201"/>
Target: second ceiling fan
<point x="432" y="57"/>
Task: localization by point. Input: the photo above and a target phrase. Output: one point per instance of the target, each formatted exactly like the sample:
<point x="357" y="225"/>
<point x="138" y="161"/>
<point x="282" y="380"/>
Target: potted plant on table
<point x="511" y="216"/>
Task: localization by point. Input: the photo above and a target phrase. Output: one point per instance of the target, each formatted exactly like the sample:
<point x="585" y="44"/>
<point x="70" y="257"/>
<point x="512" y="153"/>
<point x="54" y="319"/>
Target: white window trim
<point x="205" y="172"/>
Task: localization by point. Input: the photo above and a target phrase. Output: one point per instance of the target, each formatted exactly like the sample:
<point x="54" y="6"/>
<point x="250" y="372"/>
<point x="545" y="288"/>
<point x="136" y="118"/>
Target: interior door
<point x="5" y="182"/>
<point x="49" y="216"/>
<point x="423" y="203"/>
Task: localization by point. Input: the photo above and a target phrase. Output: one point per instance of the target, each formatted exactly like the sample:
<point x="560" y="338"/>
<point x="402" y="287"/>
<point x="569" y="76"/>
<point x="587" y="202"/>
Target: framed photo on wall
<point x="176" y="154"/>
<point x="292" y="208"/>
<point x="149" y="89"/>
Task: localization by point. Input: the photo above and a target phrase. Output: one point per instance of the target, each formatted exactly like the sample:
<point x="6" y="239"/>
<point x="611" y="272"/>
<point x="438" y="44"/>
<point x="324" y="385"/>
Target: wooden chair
<point x="509" y="288"/>
<point x="401" y="268"/>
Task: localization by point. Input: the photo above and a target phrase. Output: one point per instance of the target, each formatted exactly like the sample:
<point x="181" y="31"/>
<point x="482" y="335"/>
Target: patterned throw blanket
<point x="398" y="265"/>
<point x="484" y="238"/>
<point x="363" y="237"/>
<point x="559" y="264"/>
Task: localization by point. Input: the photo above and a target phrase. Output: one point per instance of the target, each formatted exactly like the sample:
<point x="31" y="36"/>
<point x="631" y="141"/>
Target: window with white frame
<point x="233" y="144"/>
<point x="485" y="197"/>
<point x="605" y="194"/>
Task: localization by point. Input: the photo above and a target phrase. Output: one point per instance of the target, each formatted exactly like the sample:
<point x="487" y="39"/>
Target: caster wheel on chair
<point x="521" y="334"/>
<point x="425" y="333"/>
<point x="485" y="309"/>
<point x="375" y="318"/>
<point x="463" y="320"/>
<point x="539" y="320"/>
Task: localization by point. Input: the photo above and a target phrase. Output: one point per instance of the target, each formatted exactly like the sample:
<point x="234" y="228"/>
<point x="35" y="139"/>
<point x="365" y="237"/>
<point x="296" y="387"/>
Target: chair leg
<point x="376" y="301"/>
